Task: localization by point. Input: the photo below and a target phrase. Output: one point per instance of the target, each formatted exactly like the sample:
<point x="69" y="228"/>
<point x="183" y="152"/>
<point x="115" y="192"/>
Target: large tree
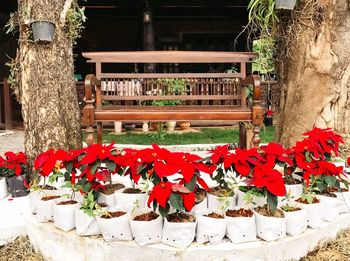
<point x="314" y="68"/>
<point x="45" y="80"/>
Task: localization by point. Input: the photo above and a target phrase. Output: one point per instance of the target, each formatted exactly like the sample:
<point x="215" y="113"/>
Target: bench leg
<point x="256" y="136"/>
<point x="99" y="132"/>
<point x="242" y="136"/>
<point x="89" y="135"/>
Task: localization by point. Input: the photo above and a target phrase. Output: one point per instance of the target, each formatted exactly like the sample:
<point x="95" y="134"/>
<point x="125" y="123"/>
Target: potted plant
<point x="201" y="200"/>
<point x="14" y="168"/>
<point x="268" y="117"/>
<point x="211" y="226"/>
<point x="3" y="183"/>
<point x="285" y="4"/>
<point x="296" y="219"/>
<point x="44" y="208"/>
<point x="241" y="225"/>
<point x="114" y="225"/>
<point x="43" y="31"/>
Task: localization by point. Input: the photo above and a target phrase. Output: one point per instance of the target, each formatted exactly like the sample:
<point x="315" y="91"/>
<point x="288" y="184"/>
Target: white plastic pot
<point x="85" y="225"/>
<point x="343" y="201"/>
<point x="129" y="201"/>
<point x="331" y="208"/>
<point x="258" y="201"/>
<point x="270" y="228"/>
<point x="241" y="229"/>
<point x="109" y="200"/>
<point x="64" y="216"/>
<point x="211" y="230"/>
<point x="179" y="235"/>
<point x="285" y="4"/>
<point x="3" y="188"/>
<point x="44" y="209"/>
<point x="147" y="232"/>
<point x="315" y="213"/>
<point x="115" y="229"/>
<point x="36" y="195"/>
<point x="294" y="191"/>
<point x="214" y="202"/>
<point x="296" y="222"/>
<point x="201" y="206"/>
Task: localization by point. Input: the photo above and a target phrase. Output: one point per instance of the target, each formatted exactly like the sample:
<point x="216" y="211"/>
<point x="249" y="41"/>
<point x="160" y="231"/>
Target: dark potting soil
<point x="180" y="217"/>
<point x="327" y="194"/>
<point x="265" y="212"/>
<point x="113" y="214"/>
<point x="47" y="187"/>
<point x="221" y="192"/>
<point x="292" y="181"/>
<point x="132" y="191"/>
<point x="304" y="201"/>
<point x="214" y="215"/>
<point x="290" y="209"/>
<point x="147" y="216"/>
<point x="68" y="202"/>
<point x="239" y="212"/>
<point x="333" y="190"/>
<point x="103" y="205"/>
<point x="200" y="196"/>
<point x="111" y="188"/>
<point x="47" y="198"/>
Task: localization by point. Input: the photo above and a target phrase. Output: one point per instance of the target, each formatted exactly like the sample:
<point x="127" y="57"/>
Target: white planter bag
<point x="44" y="209"/>
<point x="128" y="201"/>
<point x="315" y="213"/>
<point x="270" y="228"/>
<point x="201" y="206"/>
<point x="147" y="232"/>
<point x="215" y="203"/>
<point x="3" y="188"/>
<point x="241" y="229"/>
<point x="85" y="225"/>
<point x="343" y="201"/>
<point x="259" y="201"/>
<point x="331" y="208"/>
<point x="179" y="235"/>
<point x="115" y="229"/>
<point x="209" y="229"/>
<point x="64" y="216"/>
<point x="36" y="195"/>
<point x="295" y="190"/>
<point x="109" y="200"/>
<point x="296" y="222"/>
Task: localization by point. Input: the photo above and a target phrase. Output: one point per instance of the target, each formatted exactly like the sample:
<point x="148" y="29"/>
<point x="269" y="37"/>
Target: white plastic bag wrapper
<point x="296" y="222"/>
<point x="259" y="201"/>
<point x="343" y="201"/>
<point x="3" y="188"/>
<point x="115" y="229"/>
<point x="44" y="209"/>
<point x="128" y="201"/>
<point x="109" y="200"/>
<point x="200" y="207"/>
<point x="331" y="208"/>
<point x="147" y="232"/>
<point x="270" y="228"/>
<point x="64" y="216"/>
<point x="215" y="202"/>
<point x="85" y="225"/>
<point x="315" y="213"/>
<point x="179" y="235"/>
<point x="36" y="195"/>
<point x="209" y="229"/>
<point x="241" y="229"/>
<point x="294" y="191"/>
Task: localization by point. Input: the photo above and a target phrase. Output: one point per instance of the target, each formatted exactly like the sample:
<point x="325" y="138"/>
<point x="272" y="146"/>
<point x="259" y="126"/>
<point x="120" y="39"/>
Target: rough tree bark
<point x="316" y="80"/>
<point x="46" y="87"/>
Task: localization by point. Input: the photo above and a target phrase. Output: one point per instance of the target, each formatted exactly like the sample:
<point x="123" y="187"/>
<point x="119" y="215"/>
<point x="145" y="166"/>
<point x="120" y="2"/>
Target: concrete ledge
<point x="56" y="245"/>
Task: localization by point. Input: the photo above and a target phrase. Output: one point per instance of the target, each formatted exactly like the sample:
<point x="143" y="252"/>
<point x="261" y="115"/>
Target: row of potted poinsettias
<point x="169" y="201"/>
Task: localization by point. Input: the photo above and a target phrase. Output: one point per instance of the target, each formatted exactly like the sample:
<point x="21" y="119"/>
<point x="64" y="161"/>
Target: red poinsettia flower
<point x="274" y="151"/>
<point x="243" y="160"/>
<point x="46" y="161"/>
<point x="219" y="154"/>
<point x="188" y="200"/>
<point x="264" y="176"/>
<point x="160" y="193"/>
<point x="328" y="169"/>
<point x="97" y="152"/>
<point x="348" y="161"/>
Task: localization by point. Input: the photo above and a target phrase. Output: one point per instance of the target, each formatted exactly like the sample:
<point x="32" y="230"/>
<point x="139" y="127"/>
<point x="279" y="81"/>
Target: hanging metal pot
<point x="43" y="31"/>
<point x="285" y="4"/>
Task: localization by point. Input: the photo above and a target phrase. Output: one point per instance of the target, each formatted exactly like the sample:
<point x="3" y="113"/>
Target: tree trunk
<point x="315" y="82"/>
<point x="46" y="83"/>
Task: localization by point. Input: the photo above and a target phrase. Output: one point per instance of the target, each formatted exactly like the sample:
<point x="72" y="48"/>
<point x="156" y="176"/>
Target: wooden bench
<point x="203" y="96"/>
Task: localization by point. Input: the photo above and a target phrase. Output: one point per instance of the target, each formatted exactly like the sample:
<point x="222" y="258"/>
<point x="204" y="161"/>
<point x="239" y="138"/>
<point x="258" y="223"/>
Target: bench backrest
<point x="210" y="88"/>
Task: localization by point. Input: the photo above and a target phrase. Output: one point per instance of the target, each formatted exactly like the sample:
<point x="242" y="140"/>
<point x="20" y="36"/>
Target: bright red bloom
<point x="97" y="152"/>
<point x="328" y="169"/>
<point x="348" y="161"/>
<point x="274" y="151"/>
<point x="266" y="177"/>
<point x="14" y="162"/>
<point x="219" y="154"/>
<point x="188" y="200"/>
<point x="160" y="193"/>
<point x="47" y="161"/>
<point x="244" y="160"/>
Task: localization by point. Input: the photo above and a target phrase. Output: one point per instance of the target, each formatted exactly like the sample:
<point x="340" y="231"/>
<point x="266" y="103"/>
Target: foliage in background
<point x="264" y="64"/>
<point x="74" y="21"/>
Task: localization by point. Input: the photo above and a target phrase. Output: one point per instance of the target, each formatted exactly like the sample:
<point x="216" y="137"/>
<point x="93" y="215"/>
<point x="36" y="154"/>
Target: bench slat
<point x="168" y="75"/>
<point x="169" y="97"/>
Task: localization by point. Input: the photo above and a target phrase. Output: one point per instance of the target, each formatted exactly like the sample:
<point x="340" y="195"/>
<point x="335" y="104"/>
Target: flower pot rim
<point x="43" y="21"/>
<point x="255" y="212"/>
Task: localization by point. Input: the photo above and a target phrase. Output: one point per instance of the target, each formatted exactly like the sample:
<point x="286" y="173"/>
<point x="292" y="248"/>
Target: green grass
<point x="205" y="136"/>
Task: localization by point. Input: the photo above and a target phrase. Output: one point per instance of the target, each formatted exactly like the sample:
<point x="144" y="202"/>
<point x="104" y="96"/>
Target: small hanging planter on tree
<point x="43" y="31"/>
<point x="285" y="4"/>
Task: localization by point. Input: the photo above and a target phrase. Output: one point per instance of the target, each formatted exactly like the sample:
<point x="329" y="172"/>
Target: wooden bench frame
<point x="94" y="112"/>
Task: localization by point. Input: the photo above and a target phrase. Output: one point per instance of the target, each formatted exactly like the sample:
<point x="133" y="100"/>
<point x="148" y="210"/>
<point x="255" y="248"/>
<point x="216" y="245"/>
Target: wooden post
<point x="242" y="136"/>
<point x="7" y="106"/>
<point x="89" y="109"/>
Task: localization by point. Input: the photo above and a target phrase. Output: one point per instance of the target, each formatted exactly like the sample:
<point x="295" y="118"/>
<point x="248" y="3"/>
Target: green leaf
<point x="330" y="180"/>
<point x="176" y="202"/>
<point x="191" y="185"/>
<point x="272" y="201"/>
<point x="111" y="165"/>
<point x="307" y="157"/>
<point x="69" y="167"/>
<point x="164" y="211"/>
<point x="93" y="168"/>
